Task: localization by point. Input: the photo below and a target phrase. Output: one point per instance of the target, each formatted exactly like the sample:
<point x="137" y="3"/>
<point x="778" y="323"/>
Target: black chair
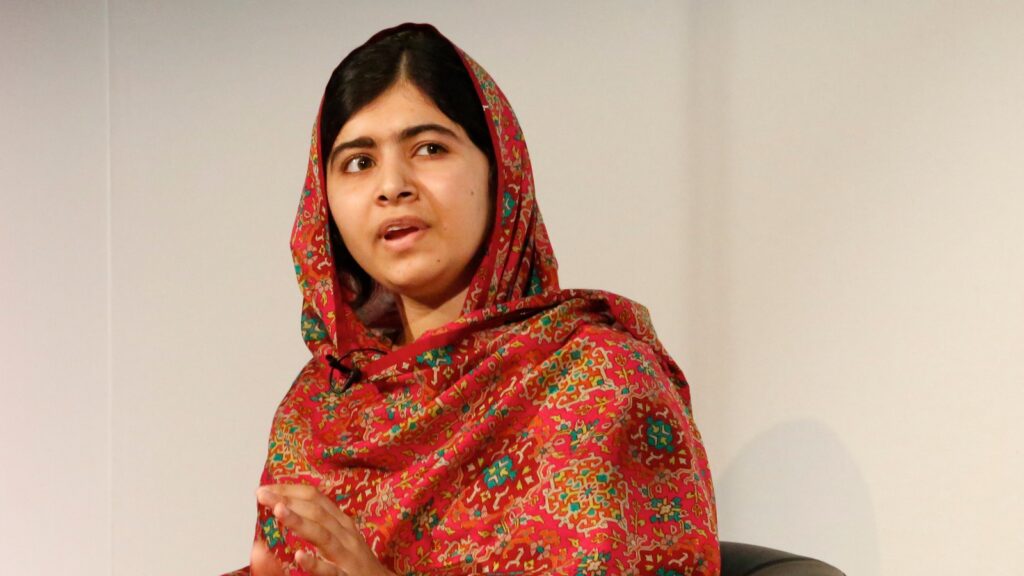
<point x="749" y="560"/>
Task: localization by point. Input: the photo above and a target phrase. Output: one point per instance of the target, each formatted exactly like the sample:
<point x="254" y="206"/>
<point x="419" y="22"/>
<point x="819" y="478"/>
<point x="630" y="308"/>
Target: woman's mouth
<point x="397" y="233"/>
<point x="402" y="238"/>
<point x="401" y="233"/>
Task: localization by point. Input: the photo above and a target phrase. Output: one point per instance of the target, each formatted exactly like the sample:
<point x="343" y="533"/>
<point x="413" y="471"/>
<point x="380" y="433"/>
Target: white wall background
<point x="859" y="314"/>
<point x="54" y="368"/>
<point x="819" y="203"/>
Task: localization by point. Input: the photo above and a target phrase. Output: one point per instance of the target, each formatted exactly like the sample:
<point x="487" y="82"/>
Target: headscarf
<point x="544" y="431"/>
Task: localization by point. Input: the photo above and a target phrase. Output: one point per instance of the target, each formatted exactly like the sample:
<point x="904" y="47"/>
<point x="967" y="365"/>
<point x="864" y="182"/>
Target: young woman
<point x="461" y="413"/>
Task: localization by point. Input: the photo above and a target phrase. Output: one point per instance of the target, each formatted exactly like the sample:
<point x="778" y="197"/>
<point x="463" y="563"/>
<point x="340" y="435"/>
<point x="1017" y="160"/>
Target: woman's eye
<point x="358" y="164"/>
<point x="430" y="149"/>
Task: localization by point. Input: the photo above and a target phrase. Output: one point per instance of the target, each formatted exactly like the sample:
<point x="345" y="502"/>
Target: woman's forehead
<point x="396" y="109"/>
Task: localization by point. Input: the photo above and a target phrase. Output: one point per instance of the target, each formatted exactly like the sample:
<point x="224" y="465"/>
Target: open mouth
<point x="397" y="233"/>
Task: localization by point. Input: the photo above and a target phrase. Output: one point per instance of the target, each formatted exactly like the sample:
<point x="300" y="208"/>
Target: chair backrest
<point x="749" y="560"/>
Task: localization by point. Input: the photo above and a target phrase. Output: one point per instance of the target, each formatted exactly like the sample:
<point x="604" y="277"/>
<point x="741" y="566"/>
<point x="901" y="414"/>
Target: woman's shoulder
<point x="608" y="335"/>
<point x="606" y="357"/>
<point x="616" y="345"/>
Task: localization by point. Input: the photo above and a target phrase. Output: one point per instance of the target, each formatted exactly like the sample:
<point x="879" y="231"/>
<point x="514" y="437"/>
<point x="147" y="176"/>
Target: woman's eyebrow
<point x="362" y="142"/>
<point x="413" y="131"/>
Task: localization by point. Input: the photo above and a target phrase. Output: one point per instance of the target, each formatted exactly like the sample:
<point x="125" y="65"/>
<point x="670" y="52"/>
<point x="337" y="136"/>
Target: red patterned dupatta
<point x="544" y="431"/>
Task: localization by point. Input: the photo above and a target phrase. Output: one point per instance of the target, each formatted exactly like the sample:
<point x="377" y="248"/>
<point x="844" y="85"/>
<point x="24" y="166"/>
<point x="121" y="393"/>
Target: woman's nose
<point x="396" y="183"/>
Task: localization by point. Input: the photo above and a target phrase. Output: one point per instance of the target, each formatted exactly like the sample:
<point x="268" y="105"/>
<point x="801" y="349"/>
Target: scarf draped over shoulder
<point x="545" y="431"/>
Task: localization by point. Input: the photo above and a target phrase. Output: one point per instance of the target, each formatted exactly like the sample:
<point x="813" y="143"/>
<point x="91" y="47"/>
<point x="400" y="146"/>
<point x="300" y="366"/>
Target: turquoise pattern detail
<point x="436" y="357"/>
<point x="659" y="435"/>
<point x="500" y="472"/>
<point x="508" y="205"/>
<point x="272" y="532"/>
<point x="313" y="329"/>
<point x="667" y="509"/>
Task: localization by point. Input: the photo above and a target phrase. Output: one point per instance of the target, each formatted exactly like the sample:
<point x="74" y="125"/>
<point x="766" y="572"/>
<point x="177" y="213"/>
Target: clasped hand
<point x="312" y="516"/>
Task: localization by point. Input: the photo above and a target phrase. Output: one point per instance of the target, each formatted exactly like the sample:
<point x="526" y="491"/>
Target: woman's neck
<point x="419" y="317"/>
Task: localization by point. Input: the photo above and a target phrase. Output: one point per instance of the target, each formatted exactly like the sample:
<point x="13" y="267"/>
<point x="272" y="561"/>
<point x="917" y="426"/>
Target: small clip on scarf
<point x="350" y="379"/>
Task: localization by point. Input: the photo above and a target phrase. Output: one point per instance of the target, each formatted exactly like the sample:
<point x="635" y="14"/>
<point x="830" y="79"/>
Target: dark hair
<point x="422" y="57"/>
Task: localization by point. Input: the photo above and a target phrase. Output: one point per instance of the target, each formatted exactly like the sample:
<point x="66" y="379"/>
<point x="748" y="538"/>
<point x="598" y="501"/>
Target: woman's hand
<point x="262" y="562"/>
<point x="312" y="516"/>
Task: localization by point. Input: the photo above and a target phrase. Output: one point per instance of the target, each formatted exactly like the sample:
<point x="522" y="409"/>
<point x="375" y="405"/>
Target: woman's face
<point x="408" y="191"/>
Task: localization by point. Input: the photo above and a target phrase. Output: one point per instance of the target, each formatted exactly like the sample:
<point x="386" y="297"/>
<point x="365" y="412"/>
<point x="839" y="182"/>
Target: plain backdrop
<point x="820" y="203"/>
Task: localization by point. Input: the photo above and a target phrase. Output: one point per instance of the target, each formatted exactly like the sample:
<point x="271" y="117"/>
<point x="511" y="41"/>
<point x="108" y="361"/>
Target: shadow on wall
<point x="797" y="488"/>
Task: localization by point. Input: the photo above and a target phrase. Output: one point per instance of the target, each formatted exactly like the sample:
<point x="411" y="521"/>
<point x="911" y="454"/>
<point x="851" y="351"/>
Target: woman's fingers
<point x="262" y="562"/>
<point x="313" y="525"/>
<point x="317" y="566"/>
<point x="316" y="520"/>
<point x="272" y="493"/>
<point x="309" y="494"/>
